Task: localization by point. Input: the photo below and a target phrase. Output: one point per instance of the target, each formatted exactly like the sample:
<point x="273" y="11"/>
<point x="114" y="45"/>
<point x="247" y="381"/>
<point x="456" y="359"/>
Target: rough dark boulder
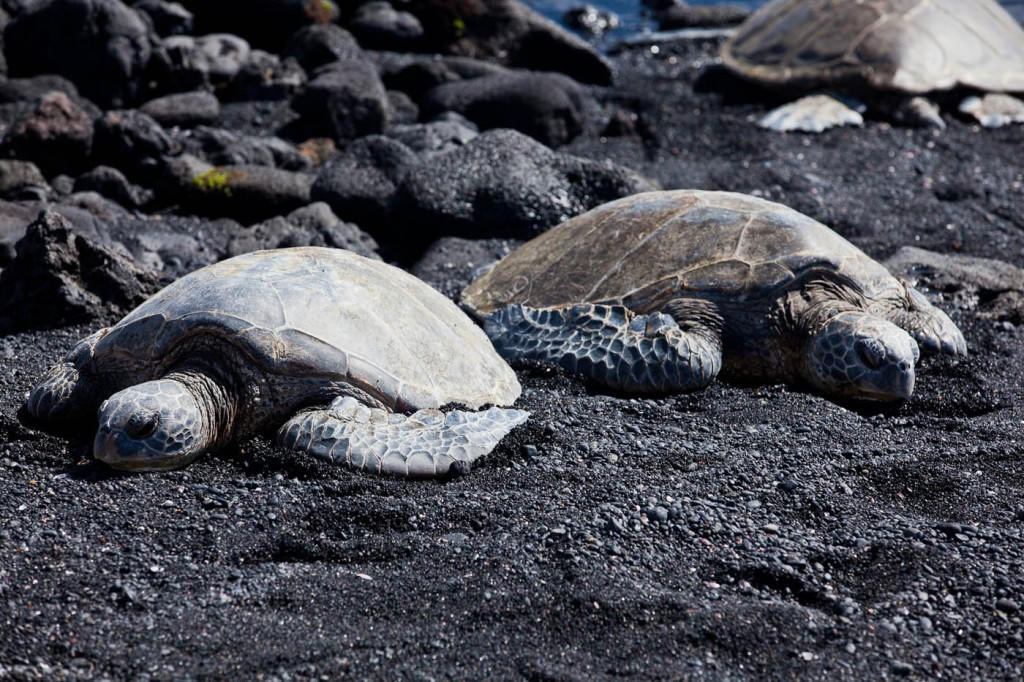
<point x="511" y="32"/>
<point x="345" y="100"/>
<point x="184" y="109"/>
<point x="60" y="277"/>
<point x="266" y="24"/>
<point x="319" y="44"/>
<point x="681" y="15"/>
<point x="222" y="147"/>
<point x="166" y="18"/>
<point x="102" y="46"/>
<point x="130" y="140"/>
<point x="112" y="184"/>
<point x="243" y="192"/>
<point x="21" y="180"/>
<point x="379" y="26"/>
<point x="548" y="107"/>
<point x="312" y="225"/>
<point x="360" y="184"/>
<point x="56" y="135"/>
<point x="992" y="288"/>
<point x="505" y="184"/>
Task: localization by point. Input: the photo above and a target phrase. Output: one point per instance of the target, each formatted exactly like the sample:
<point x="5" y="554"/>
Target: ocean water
<point x="635" y="18"/>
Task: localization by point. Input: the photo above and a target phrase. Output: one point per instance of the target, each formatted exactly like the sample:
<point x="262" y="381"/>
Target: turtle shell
<point x="323" y="313"/>
<point x="909" y="45"/>
<point x="644" y="249"/>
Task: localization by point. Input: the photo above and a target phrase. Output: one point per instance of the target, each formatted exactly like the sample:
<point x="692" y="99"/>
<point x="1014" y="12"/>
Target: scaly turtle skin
<point x="660" y="291"/>
<point x="908" y="47"/>
<point x="332" y="349"/>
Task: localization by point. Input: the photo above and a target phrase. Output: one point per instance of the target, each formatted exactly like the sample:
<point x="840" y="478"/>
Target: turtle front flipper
<point x="423" y="444"/>
<point x="932" y="328"/>
<point x="610" y="344"/>
<point x="63" y="394"/>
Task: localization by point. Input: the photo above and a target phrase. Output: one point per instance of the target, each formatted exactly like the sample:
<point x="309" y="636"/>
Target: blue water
<point x="634" y="18"/>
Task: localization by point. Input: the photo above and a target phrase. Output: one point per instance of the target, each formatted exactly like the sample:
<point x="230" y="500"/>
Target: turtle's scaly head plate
<point x="153" y="426"/>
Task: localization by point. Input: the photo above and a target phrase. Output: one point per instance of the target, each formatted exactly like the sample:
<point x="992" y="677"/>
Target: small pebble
<point x="1007" y="605"/>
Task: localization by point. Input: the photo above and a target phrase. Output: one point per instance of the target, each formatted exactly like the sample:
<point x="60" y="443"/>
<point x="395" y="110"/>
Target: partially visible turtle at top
<point x="346" y="357"/>
<point x="886" y="52"/>
<point x="661" y="291"/>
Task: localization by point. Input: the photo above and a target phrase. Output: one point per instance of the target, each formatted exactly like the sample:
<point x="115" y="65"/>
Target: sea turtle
<point x="332" y="349"/>
<point x="888" y="52"/>
<point x="659" y="291"/>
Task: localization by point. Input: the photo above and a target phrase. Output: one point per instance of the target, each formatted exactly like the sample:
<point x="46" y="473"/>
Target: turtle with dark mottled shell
<point x="347" y="358"/>
<point x="887" y="52"/>
<point x="661" y="291"/>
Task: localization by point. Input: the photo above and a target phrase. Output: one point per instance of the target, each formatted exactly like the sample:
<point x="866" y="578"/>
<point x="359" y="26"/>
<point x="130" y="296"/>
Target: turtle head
<point x="860" y="356"/>
<point x="154" y="426"/>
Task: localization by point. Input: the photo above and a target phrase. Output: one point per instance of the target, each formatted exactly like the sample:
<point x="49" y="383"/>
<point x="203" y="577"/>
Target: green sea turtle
<point x="346" y="357"/>
<point x="887" y="52"/>
<point x="660" y="291"/>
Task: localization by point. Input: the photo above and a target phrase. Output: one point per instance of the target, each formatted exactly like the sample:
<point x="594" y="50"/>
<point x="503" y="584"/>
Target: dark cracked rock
<point x="102" y="46"/>
<point x="548" y="107"/>
<point x="504" y="184"/>
<point x="312" y="225"/>
<point x="56" y="135"/>
<point x="510" y="32"/>
<point x="60" y="276"/>
<point x="345" y="100"/>
<point x="991" y="287"/>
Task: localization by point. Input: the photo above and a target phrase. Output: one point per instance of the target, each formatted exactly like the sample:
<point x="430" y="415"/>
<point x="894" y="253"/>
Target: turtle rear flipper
<point x="423" y="444"/>
<point x="994" y="109"/>
<point x="610" y="344"/>
<point x="813" y="114"/>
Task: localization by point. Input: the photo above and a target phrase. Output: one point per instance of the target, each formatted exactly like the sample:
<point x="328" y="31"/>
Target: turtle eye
<point x="142" y="425"/>
<point x="868" y="355"/>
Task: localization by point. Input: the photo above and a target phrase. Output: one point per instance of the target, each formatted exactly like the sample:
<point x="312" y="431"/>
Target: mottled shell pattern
<point x="322" y="313"/>
<point x="644" y="249"/>
<point x="909" y="45"/>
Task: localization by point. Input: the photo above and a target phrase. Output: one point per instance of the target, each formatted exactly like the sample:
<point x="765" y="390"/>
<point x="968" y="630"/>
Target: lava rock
<point x="265" y="77"/>
<point x="112" y="184"/>
<point x="546" y="106"/>
<point x="994" y="288"/>
<point x="451" y="263"/>
<point x="130" y="140"/>
<point x="510" y="32"/>
<point x="422" y="75"/>
<point x="403" y="110"/>
<point x="243" y="192"/>
<point x="222" y="147"/>
<point x="59" y="276"/>
<point x="183" y="63"/>
<point x="21" y="180"/>
<point x="345" y="100"/>
<point x="435" y="137"/>
<point x="185" y="109"/>
<point x="266" y="24"/>
<point x="57" y="135"/>
<point x="361" y="183"/>
<point x="166" y="18"/>
<point x="504" y="184"/>
<point x="678" y="16"/>
<point x="102" y="46"/>
<point x="379" y="26"/>
<point x="312" y="225"/>
<point x="30" y="90"/>
<point x="319" y="44"/>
